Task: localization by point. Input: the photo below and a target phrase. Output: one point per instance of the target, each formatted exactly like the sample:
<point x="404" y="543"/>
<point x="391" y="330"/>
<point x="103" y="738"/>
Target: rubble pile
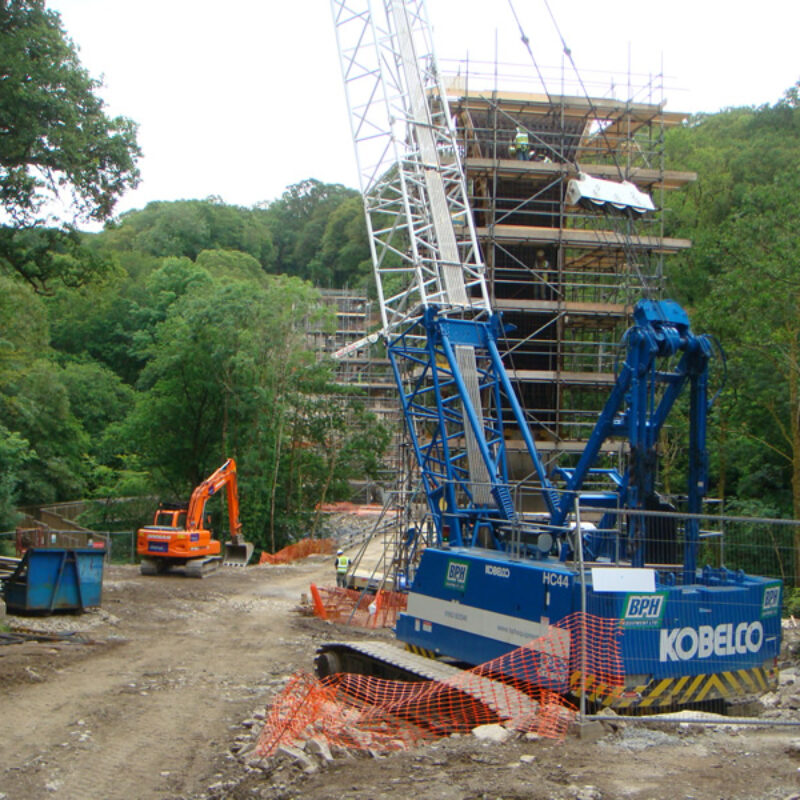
<point x="784" y="703"/>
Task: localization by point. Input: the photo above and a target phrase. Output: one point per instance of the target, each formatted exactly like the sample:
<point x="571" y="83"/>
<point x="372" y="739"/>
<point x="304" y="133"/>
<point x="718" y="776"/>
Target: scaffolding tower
<point x="565" y="277"/>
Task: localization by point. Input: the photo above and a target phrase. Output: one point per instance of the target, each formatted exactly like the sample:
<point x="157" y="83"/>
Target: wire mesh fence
<point x="120" y="546"/>
<point x="524" y="689"/>
<point x="757" y="546"/>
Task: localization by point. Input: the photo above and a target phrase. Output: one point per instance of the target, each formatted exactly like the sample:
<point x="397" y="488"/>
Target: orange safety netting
<point x="363" y="609"/>
<point x="298" y="550"/>
<point x="522" y="689"/>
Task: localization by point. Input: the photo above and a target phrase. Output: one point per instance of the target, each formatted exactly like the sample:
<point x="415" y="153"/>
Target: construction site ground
<point x="166" y="699"/>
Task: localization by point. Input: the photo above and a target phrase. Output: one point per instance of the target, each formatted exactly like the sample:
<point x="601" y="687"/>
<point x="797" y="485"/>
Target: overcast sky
<point x="243" y="98"/>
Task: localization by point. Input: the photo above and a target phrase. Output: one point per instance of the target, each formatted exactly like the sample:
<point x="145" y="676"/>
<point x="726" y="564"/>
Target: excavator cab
<point x="170" y="518"/>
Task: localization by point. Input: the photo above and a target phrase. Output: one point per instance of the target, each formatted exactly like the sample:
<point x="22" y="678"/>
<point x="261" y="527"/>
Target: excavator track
<point x="200" y="567"/>
<point x="194" y="568"/>
<point x="384" y="660"/>
<point x="152" y="566"/>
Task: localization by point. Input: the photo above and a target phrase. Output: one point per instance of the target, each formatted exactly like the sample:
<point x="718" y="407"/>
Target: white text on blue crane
<point x="725" y="639"/>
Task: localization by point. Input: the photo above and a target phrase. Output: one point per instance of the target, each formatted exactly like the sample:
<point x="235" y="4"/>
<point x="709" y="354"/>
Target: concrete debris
<point x="491" y="733"/>
<point x="319" y="748"/>
<point x="56" y="624"/>
<point x="298" y="757"/>
<point x="590" y="731"/>
<point x="639" y="738"/>
<point x="793" y="748"/>
<point x="787" y="676"/>
<point x="255" y="762"/>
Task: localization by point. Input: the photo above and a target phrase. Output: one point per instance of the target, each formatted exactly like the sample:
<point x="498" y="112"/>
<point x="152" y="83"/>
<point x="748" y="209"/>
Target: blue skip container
<point x="54" y="579"/>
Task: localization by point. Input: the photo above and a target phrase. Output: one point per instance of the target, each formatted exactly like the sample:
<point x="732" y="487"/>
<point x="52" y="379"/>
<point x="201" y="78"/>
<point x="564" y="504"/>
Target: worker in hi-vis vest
<point x="520" y="146"/>
<point x="342" y="564"/>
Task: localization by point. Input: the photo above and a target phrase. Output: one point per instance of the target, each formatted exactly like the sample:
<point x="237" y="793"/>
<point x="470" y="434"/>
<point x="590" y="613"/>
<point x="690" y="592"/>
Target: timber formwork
<point x="565" y="278"/>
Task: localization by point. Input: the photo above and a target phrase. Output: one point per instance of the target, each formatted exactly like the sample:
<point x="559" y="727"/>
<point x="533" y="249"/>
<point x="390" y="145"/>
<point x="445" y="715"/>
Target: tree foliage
<point x="214" y="387"/>
<point x="137" y="359"/>
<point x="58" y="148"/>
<point x="188" y="227"/>
<point x="300" y="219"/>
<point x="742" y="281"/>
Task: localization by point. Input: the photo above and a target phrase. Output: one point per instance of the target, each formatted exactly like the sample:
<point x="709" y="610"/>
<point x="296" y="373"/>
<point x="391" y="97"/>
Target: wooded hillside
<point x="135" y="360"/>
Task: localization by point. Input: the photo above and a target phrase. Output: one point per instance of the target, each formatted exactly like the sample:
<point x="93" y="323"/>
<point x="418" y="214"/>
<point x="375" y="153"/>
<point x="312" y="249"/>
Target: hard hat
<point x="339" y="552"/>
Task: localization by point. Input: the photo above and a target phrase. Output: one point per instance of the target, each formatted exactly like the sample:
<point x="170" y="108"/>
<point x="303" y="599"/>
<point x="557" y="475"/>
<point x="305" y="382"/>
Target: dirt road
<point x="179" y="669"/>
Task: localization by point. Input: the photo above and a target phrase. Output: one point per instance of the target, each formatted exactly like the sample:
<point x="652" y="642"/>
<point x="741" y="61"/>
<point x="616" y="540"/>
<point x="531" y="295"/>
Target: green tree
<point x="343" y="258"/>
<point x="231" y="265"/>
<point x="14" y="452"/>
<point x="741" y="279"/>
<point x="57" y="145"/>
<point x="230" y="374"/>
<point x="188" y="227"/>
<point x="754" y="303"/>
<point x="36" y="406"/>
<point x="299" y="219"/>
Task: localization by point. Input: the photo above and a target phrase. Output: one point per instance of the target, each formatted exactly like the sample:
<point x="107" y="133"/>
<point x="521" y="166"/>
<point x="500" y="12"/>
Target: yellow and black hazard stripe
<point x="420" y="651"/>
<point x="670" y="692"/>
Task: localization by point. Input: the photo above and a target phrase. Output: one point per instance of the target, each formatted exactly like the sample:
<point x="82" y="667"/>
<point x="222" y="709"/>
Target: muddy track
<point x="154" y="710"/>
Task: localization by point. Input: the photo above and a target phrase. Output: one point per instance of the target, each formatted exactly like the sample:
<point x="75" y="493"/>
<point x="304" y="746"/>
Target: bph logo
<point x="456" y="575"/>
<point x="643" y="610"/>
<point x="771" y="604"/>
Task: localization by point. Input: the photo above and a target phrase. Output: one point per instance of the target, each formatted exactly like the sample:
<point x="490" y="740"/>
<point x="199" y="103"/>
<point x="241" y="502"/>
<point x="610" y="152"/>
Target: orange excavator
<point x="179" y="536"/>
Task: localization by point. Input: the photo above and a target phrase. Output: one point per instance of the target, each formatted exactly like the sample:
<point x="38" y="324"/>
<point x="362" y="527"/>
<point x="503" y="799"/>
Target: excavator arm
<point x="237" y="551"/>
<point x="224" y="477"/>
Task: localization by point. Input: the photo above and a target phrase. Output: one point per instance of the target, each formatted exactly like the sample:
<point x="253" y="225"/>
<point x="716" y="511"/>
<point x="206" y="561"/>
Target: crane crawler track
<point x="384" y="660"/>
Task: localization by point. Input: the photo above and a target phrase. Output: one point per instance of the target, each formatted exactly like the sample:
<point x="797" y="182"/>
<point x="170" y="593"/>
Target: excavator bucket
<point x="237" y="553"/>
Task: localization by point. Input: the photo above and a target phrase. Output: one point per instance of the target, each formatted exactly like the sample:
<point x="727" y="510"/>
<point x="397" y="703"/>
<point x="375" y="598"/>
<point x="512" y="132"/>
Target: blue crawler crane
<point x="498" y="579"/>
<point x="497" y="575"/>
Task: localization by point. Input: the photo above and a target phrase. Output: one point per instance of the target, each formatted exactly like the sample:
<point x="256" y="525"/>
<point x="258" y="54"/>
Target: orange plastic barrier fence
<point x="522" y="689"/>
<point x="298" y="550"/>
<point x="363" y="609"/>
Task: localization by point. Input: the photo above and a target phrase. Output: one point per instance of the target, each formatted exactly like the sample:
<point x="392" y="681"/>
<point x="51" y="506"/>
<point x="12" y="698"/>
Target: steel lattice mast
<point x="410" y="172"/>
<point x="435" y="308"/>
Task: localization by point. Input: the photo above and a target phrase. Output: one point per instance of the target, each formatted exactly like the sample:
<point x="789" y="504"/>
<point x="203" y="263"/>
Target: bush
<point x="792" y="603"/>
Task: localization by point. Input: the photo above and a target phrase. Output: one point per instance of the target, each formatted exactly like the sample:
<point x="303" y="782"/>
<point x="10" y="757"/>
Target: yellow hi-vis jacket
<point x="342" y="562"/>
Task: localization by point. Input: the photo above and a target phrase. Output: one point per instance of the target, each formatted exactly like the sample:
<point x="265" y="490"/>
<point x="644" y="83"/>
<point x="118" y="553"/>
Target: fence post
<point x="581" y="571"/>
